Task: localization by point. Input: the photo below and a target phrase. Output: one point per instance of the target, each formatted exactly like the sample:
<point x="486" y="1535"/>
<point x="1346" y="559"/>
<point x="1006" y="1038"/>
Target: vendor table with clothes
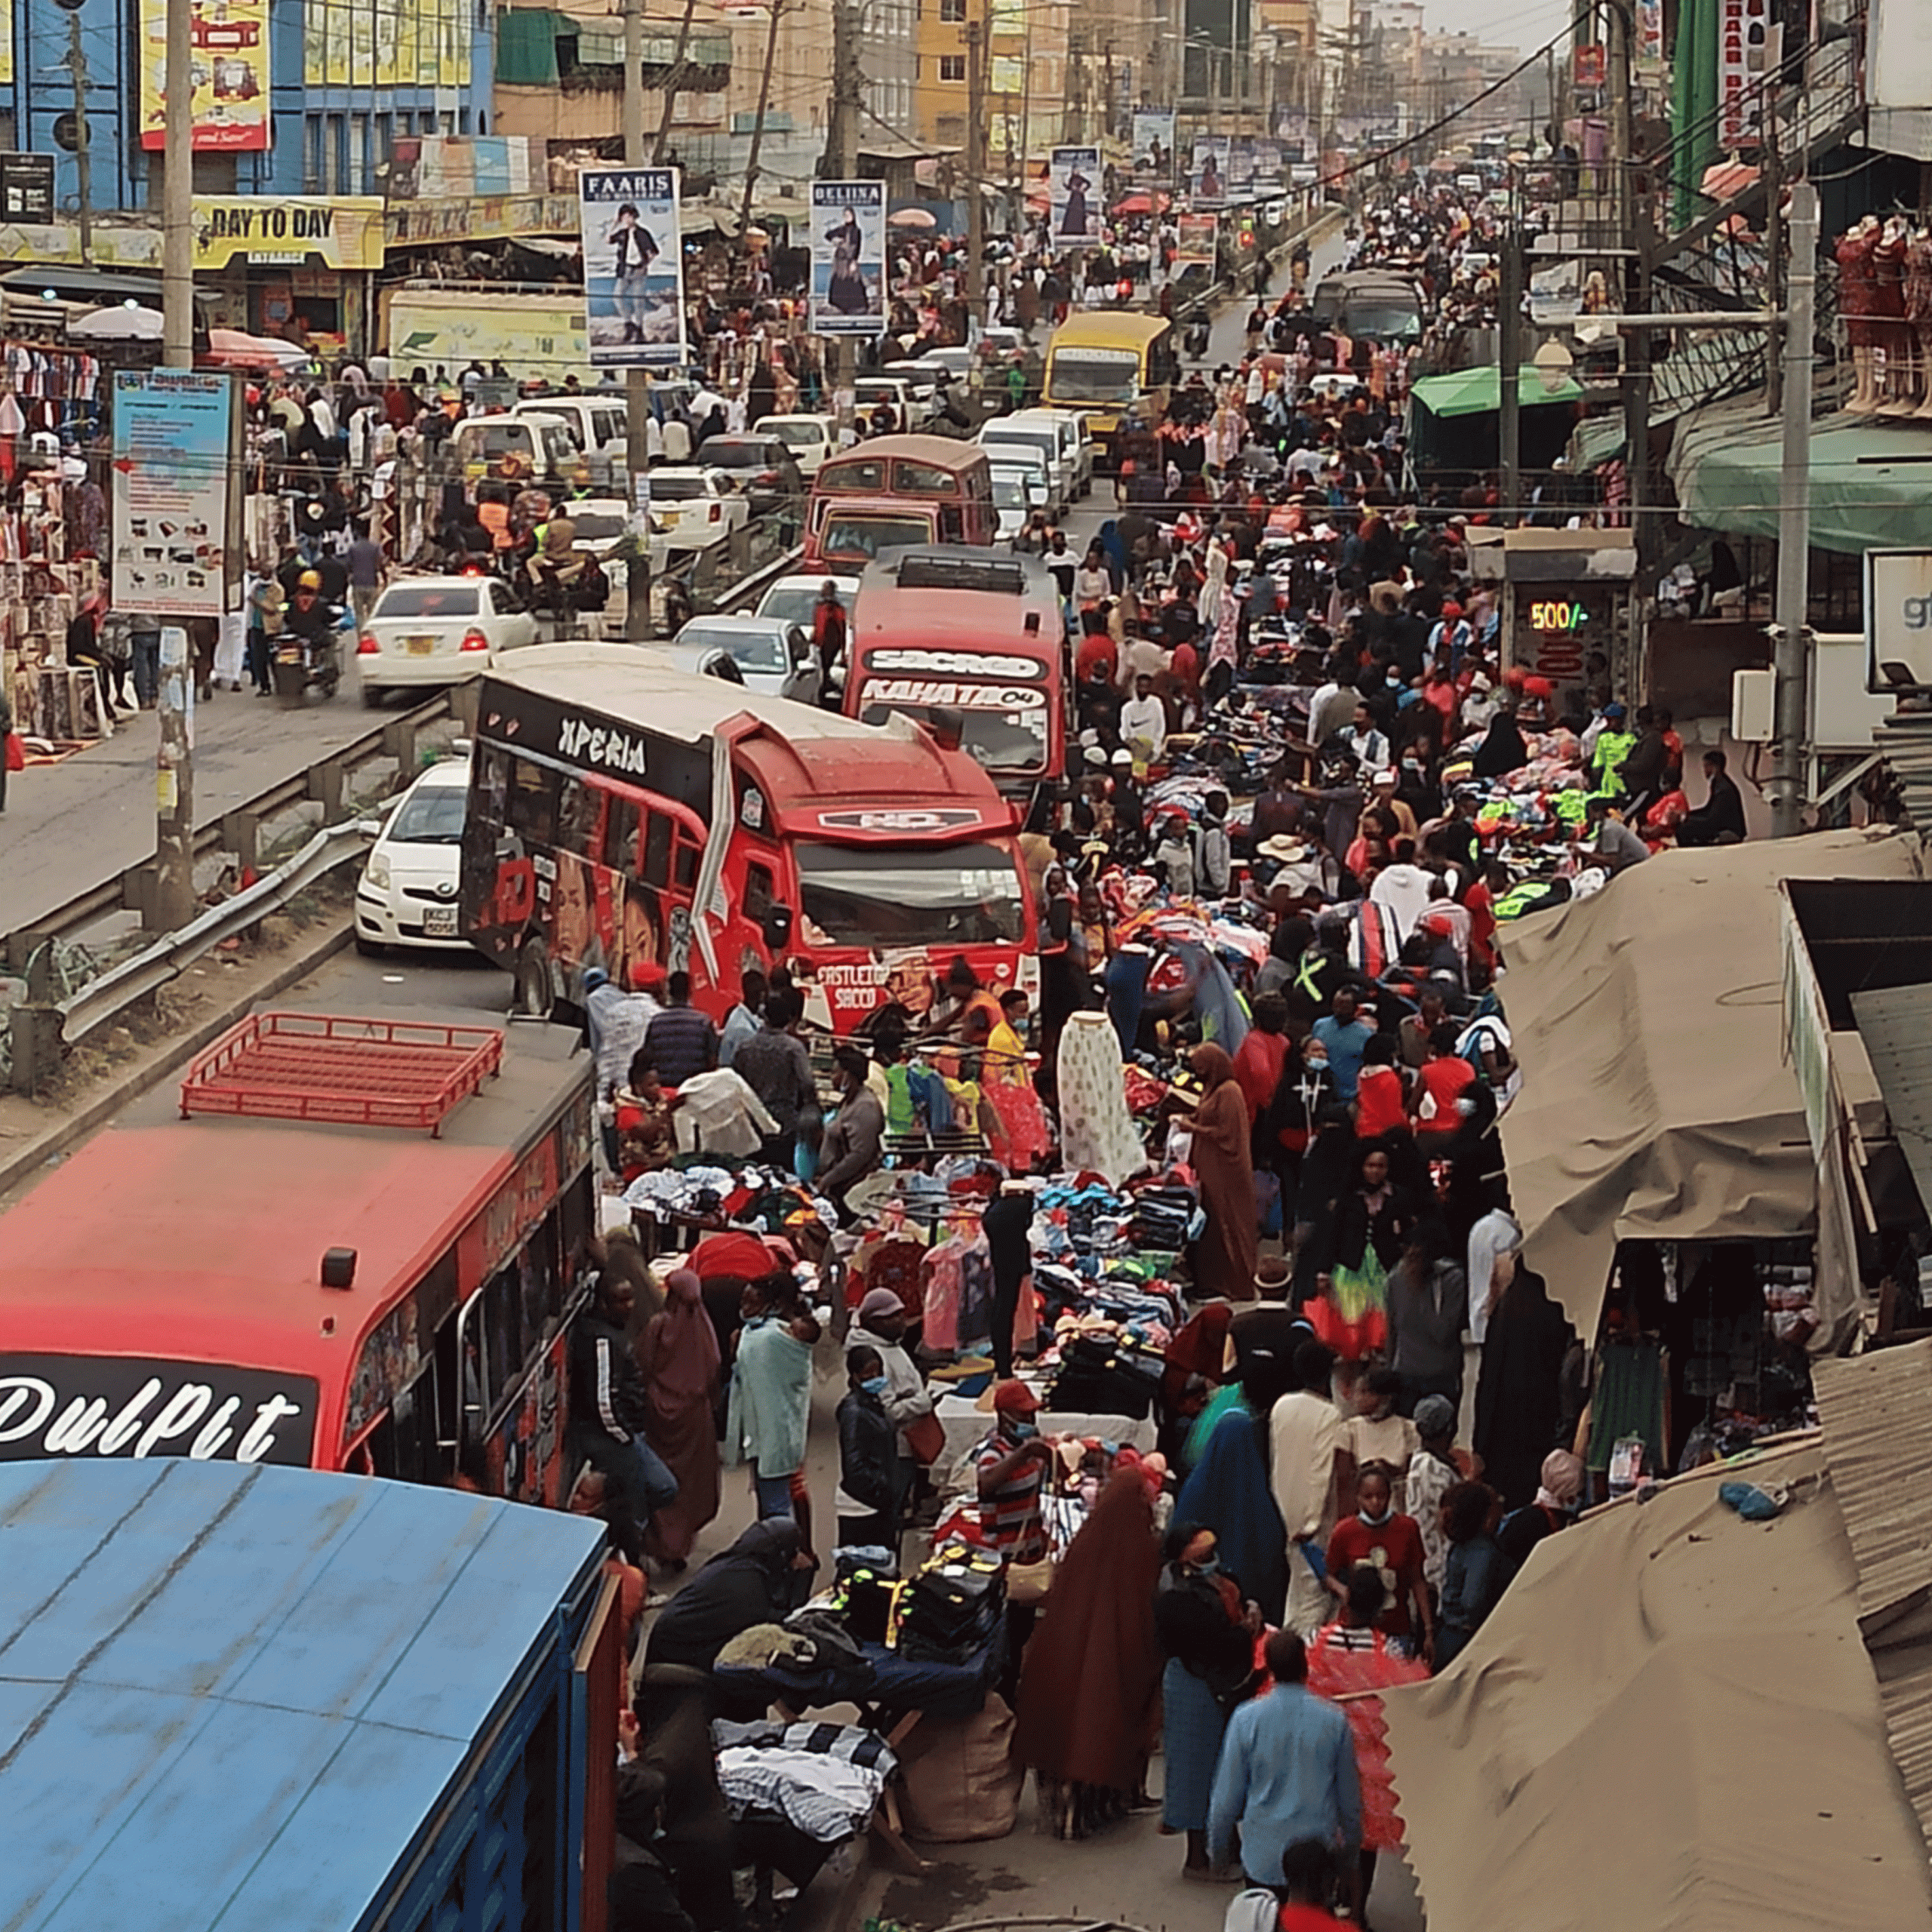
<point x="967" y="1425"/>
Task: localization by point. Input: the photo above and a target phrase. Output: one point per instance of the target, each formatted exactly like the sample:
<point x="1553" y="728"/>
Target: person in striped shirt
<point x="1010" y="1464"/>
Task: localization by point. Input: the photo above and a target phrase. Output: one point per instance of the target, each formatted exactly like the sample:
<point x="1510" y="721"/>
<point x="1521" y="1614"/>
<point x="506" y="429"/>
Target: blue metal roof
<point x="232" y="1696"/>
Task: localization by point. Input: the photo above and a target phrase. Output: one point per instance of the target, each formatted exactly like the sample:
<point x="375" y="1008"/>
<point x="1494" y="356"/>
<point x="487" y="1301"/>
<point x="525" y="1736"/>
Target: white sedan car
<point x="794" y="600"/>
<point x="407" y="895"/>
<point x="698" y="506"/>
<point x="438" y="630"/>
<point x="809" y="439"/>
<point x="771" y="657"/>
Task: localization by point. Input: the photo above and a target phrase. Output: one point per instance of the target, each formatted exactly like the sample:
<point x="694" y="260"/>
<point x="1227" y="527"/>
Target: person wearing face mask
<point x="1206" y="1629"/>
<point x="873" y="1477"/>
<point x="1379" y="1536"/>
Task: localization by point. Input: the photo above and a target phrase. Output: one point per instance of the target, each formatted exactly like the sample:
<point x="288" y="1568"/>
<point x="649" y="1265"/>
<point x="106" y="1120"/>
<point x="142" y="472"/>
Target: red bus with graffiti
<point x="347" y="1244"/>
<point x="623" y="812"/>
<point x="970" y="641"/>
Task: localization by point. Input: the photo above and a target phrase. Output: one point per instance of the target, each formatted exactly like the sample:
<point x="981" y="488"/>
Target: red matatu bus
<point x="968" y="642"/>
<point x="357" y="1245"/>
<point x="621" y="812"/>
<point x="896" y="490"/>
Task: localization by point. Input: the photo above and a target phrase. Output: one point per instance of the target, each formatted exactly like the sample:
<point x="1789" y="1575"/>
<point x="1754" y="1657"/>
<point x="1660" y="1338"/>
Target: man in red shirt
<point x="1096" y="647"/>
<point x="1445" y="1077"/>
<point x="1260" y="1060"/>
<point x="1480" y="900"/>
<point x="1391" y="1543"/>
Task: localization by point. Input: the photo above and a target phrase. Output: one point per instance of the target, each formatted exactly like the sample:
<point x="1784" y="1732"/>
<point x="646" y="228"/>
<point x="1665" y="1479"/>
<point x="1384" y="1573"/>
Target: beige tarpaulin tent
<point x="1655" y="1101"/>
<point x="1670" y="1723"/>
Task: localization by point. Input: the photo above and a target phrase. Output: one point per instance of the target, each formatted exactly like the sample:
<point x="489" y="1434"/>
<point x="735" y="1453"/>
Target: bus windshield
<point x="960" y="895"/>
<point x="1001" y="742"/>
<point x="1095" y="375"/>
<point x="863" y="534"/>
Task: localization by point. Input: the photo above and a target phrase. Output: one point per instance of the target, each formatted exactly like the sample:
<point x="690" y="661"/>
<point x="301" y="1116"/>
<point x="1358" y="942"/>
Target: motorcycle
<point x="301" y="663"/>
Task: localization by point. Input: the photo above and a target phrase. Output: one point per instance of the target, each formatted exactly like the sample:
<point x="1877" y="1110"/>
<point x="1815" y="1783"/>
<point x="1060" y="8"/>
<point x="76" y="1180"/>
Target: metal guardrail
<point x="40" y="1034"/>
<point x="323" y="783"/>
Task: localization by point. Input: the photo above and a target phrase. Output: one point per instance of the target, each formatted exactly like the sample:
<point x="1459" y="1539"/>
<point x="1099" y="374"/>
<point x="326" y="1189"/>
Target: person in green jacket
<point x="1614" y="744"/>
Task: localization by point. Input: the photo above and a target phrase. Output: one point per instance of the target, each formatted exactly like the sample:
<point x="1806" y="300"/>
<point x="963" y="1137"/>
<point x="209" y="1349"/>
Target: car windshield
<point x="751" y="650"/>
<point x="1011" y="741"/>
<point x="734" y="456"/>
<point x="431" y="815"/>
<point x="429" y="600"/>
<point x="1043" y="442"/>
<point x="797" y="435"/>
<point x="790" y="603"/>
<point x="1095" y="375"/>
<point x="1010" y="489"/>
<point x="867" y="536"/>
<point x="594" y="526"/>
<point x="963" y="895"/>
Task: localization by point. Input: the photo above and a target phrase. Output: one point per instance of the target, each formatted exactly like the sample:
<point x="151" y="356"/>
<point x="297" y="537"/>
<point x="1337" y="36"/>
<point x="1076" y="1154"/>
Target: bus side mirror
<point x="777" y="931"/>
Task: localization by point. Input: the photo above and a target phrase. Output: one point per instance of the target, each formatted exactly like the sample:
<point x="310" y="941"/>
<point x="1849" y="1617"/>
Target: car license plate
<point x="419" y="647"/>
<point x="439" y="922"/>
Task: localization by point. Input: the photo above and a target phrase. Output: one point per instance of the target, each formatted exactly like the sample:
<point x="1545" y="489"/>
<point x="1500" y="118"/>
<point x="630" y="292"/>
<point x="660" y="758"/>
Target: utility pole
<point x="841" y="157"/>
<point x="1509" y="366"/>
<point x="174" y="769"/>
<point x="637" y="383"/>
<point x="975" y="162"/>
<point x="758" y="127"/>
<point x="1792" y="655"/>
<point x="674" y="83"/>
<point x="77" y="66"/>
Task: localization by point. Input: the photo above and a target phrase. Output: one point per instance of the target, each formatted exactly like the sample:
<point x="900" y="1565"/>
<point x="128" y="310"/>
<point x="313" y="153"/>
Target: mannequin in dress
<point x="1919" y="311"/>
<point x="1858" y="294"/>
<point x="1898" y="345"/>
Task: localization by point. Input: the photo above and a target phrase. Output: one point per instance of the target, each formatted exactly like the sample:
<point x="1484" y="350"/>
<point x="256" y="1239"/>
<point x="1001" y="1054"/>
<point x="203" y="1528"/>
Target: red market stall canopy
<point x="1144" y="201"/>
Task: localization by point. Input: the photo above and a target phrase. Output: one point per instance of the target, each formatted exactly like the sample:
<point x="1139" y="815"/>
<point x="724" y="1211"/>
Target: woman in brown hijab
<point x="1225" y="1257"/>
<point x="1088" y="1701"/>
<point x="679" y="1353"/>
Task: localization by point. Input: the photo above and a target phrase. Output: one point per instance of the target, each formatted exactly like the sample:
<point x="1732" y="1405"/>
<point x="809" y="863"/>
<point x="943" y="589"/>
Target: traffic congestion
<point x="1011" y="1169"/>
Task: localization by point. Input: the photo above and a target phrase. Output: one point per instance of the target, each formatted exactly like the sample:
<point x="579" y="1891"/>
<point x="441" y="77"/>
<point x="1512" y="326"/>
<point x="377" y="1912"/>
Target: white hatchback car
<point x="407" y="895"/>
<point x="438" y="630"/>
<point x="809" y="439"/>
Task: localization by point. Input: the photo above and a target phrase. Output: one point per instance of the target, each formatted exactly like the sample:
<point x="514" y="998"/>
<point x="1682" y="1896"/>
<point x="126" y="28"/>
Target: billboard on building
<point x="1207" y="179"/>
<point x="1154" y="142"/>
<point x="230" y="71"/>
<point x="1074" y="188"/>
<point x="172" y="445"/>
<point x="1240" y="168"/>
<point x="848" y="258"/>
<point x="1196" y="234"/>
<point x="633" y="267"/>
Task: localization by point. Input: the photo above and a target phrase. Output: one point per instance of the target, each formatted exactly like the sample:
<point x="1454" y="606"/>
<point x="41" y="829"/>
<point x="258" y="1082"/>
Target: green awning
<point x="1472" y="392"/>
<point x="1870" y="481"/>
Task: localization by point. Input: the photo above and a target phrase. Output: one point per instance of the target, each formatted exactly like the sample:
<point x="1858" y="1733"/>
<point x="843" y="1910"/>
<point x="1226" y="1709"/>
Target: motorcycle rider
<point x="311" y="620"/>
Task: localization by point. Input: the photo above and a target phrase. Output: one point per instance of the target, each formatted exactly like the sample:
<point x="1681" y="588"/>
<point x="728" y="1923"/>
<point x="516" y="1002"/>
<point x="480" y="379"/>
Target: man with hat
<point x="1008" y="1467"/>
<point x="881" y="1325"/>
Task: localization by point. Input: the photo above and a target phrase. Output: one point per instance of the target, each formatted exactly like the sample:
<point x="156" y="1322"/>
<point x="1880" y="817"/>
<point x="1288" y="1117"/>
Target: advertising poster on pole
<point x="1267" y="168"/>
<point x="848" y="258"/>
<point x="1073" y="190"/>
<point x="1196" y="233"/>
<point x="633" y="267"/>
<point x="172" y="445"/>
<point x="1240" y="168"/>
<point x="1207" y="180"/>
<point x="1153" y="143"/>
<point x="230" y="75"/>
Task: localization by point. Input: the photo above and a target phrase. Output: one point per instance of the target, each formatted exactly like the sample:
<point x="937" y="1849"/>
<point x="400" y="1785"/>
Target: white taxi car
<point x="407" y="895"/>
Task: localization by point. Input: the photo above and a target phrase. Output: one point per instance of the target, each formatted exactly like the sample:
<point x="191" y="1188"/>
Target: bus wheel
<point x="534" y="995"/>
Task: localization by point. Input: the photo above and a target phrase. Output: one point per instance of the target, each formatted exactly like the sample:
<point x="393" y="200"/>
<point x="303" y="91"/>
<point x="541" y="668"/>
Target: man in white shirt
<point x="1310" y="1467"/>
<point x="1143" y="719"/>
<point x="1366" y="745"/>
<point x="1404" y="888"/>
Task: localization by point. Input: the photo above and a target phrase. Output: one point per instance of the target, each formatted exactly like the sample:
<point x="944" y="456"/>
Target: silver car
<point x="771" y="656"/>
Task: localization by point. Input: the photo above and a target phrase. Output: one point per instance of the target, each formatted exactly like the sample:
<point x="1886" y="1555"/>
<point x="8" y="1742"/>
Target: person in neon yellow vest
<point x="1615" y="742"/>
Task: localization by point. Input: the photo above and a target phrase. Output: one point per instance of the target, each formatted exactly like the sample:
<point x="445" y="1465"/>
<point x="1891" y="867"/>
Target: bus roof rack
<point x="936" y="570"/>
<point x="347" y="1072"/>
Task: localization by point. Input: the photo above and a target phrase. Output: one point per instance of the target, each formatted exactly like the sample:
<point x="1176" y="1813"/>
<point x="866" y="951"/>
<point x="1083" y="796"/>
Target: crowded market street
<point x="975" y="1011"/>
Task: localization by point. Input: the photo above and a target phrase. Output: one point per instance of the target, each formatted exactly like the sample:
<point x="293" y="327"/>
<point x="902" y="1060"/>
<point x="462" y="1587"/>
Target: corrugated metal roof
<point x="1873" y="1409"/>
<point x="232" y="1694"/>
<point x="1895" y="1022"/>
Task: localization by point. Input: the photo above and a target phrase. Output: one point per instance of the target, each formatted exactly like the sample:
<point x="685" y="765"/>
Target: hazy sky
<point x="1523" y="23"/>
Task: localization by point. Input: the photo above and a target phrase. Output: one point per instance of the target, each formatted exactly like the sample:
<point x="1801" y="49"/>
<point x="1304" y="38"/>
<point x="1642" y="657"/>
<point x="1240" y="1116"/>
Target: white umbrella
<point x="124" y="322"/>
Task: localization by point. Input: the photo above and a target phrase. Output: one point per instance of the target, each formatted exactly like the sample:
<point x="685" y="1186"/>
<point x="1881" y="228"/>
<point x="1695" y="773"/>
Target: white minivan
<point x="1059" y="434"/>
<point x="599" y="425"/>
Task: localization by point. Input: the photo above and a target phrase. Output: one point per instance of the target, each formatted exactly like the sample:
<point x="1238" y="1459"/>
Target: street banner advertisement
<point x="1074" y="179"/>
<point x="1267" y="168"/>
<point x="1291" y="125"/>
<point x="1154" y="142"/>
<point x="1196" y="233"/>
<point x="229" y="106"/>
<point x="633" y="267"/>
<point x="848" y="258"/>
<point x="1240" y="168"/>
<point x="172" y="446"/>
<point x="1207" y="182"/>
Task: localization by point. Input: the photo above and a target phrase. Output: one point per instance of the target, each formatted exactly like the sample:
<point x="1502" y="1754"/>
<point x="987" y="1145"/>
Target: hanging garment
<point x="1096" y="1131"/>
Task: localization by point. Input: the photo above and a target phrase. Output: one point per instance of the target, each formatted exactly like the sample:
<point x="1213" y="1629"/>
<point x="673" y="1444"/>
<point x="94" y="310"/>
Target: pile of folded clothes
<point x="951" y="1607"/>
